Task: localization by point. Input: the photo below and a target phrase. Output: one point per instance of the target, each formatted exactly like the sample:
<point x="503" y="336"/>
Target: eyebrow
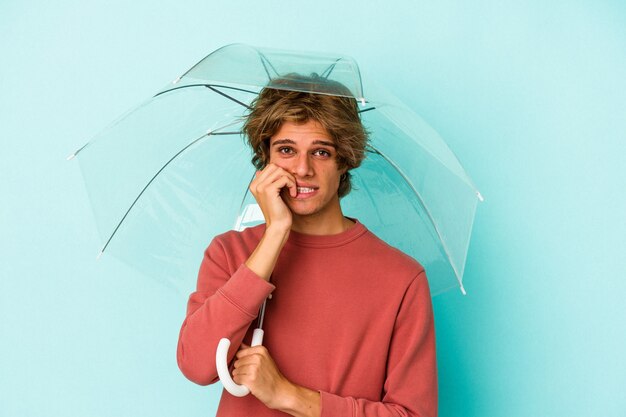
<point x="315" y="142"/>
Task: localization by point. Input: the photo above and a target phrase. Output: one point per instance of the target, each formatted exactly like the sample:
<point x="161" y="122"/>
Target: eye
<point x="286" y="150"/>
<point x="322" y="152"/>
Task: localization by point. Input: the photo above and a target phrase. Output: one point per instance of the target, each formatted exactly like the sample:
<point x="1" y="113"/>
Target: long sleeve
<point x="410" y="388"/>
<point x="350" y="317"/>
<point x="226" y="301"/>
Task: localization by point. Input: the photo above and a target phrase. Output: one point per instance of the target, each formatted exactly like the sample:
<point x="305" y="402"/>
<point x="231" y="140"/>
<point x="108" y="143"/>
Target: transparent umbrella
<point x="173" y="172"/>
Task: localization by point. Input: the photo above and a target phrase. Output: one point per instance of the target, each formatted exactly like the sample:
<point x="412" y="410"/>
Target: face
<point x="308" y="152"/>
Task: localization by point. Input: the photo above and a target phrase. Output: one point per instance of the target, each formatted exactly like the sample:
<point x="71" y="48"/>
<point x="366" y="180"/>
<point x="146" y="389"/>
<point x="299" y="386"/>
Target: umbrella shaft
<point x="261" y="315"/>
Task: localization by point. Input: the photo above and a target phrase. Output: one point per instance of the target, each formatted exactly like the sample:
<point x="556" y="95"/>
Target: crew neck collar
<point x="327" y="241"/>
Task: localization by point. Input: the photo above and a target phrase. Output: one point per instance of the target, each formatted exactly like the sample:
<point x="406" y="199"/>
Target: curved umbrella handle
<point x="221" y="362"/>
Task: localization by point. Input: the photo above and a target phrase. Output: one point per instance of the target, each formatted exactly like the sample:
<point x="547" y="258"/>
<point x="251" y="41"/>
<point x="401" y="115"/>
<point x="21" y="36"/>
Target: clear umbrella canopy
<point x="173" y="172"/>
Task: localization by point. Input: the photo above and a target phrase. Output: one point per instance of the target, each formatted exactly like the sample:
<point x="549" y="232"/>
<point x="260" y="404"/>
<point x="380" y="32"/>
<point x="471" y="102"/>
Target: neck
<point x="321" y="224"/>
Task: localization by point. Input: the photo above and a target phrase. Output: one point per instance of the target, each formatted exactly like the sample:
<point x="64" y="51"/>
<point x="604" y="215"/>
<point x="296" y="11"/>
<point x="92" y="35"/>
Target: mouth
<point x="304" y="192"/>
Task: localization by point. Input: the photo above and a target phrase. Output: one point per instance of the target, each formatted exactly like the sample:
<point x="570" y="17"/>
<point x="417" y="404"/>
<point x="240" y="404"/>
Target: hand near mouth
<point x="267" y="188"/>
<point x="305" y="190"/>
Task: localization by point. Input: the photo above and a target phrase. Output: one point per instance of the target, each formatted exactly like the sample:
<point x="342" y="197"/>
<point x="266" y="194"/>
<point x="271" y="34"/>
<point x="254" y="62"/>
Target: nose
<point x="302" y="166"/>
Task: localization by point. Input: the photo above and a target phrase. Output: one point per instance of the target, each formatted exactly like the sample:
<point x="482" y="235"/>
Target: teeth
<point x="305" y="190"/>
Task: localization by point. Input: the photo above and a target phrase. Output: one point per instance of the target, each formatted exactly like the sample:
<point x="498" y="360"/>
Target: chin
<point x="304" y="209"/>
<point x="299" y="211"/>
<point x="309" y="207"/>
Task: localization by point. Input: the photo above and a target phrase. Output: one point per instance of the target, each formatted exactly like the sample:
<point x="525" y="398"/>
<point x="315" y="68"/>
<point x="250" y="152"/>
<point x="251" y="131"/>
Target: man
<point x="349" y="326"/>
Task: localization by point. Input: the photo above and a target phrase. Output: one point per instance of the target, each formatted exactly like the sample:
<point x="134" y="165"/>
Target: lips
<point x="305" y="190"/>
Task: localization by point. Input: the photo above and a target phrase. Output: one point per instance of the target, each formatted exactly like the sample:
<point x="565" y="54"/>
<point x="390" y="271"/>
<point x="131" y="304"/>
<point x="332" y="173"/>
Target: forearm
<point x="238" y="300"/>
<point x="263" y="260"/>
<point x="335" y="405"/>
<point x="300" y="402"/>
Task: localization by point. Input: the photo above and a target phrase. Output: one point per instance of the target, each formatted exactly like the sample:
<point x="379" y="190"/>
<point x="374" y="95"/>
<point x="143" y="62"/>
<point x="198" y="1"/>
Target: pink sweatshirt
<point x="350" y="317"/>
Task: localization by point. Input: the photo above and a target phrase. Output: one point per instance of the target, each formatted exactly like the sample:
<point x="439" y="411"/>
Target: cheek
<point x="282" y="163"/>
<point x="276" y="160"/>
<point x="333" y="177"/>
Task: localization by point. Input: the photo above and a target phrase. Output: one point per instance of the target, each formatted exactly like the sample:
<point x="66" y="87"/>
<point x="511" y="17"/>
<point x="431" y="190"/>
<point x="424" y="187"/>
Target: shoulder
<point x="390" y="253"/>
<point x="393" y="259"/>
<point x="387" y="272"/>
<point x="234" y="242"/>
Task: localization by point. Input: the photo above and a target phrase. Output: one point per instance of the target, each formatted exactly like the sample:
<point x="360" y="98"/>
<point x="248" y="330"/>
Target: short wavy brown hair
<point x="332" y="106"/>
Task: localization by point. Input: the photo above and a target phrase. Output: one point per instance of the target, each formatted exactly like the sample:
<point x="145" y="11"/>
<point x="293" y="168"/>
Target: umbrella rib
<point x="269" y="77"/>
<point x="206" y="85"/>
<point x="72" y="156"/>
<point x="224" y="133"/>
<point x="246" y="193"/>
<point x="330" y="69"/>
<point x="430" y="217"/>
<point x="210" y="133"/>
<point x="210" y="87"/>
<point x="368" y="109"/>
<point x="265" y="63"/>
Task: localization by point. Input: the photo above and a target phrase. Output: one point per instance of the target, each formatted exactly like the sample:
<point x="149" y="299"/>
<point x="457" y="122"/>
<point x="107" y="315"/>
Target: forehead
<point x="311" y="130"/>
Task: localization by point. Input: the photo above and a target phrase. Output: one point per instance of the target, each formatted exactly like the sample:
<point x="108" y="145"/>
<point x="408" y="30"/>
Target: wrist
<point x="299" y="401"/>
<point x="265" y="255"/>
<point x="278" y="227"/>
<point x="278" y="232"/>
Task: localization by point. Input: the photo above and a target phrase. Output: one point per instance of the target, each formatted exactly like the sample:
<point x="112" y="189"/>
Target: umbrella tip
<point x="72" y="156"/>
<point x="463" y="290"/>
<point x="176" y="80"/>
<point x="100" y="254"/>
<point x="480" y="196"/>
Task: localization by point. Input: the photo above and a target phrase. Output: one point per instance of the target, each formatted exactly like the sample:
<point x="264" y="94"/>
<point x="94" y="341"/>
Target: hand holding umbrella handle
<point x="221" y="362"/>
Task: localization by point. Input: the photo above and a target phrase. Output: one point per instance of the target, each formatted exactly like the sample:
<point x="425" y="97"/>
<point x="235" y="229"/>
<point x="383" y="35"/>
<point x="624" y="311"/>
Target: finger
<point x="293" y="189"/>
<point x="276" y="182"/>
<point x="243" y="379"/>
<point x="274" y="173"/>
<point x="268" y="180"/>
<point x="267" y="171"/>
<point x="262" y="175"/>
<point x="283" y="171"/>
<point x="244" y="353"/>
<point x="252" y="360"/>
<point x="245" y="369"/>
<point x="287" y="182"/>
<point x="261" y="350"/>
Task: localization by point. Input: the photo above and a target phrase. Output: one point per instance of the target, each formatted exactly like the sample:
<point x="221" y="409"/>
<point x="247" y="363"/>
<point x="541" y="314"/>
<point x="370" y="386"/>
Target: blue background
<point x="531" y="96"/>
